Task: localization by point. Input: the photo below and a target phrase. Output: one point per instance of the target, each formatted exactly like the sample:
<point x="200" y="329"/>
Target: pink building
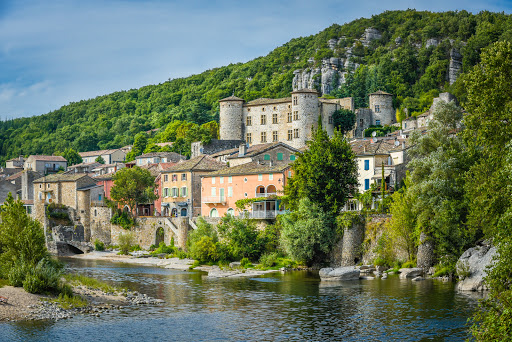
<point x="221" y="189"/>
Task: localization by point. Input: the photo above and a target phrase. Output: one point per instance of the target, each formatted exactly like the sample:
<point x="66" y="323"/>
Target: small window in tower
<point x="274" y="136"/>
<point x="290" y="134"/>
<point x="294" y="100"/>
<point x="377" y="122"/>
<point x="275" y="108"/>
<point x="263" y="109"/>
<point x="361" y="122"/>
<point x="274" y="118"/>
<point x="248" y="138"/>
<point x="263" y="137"/>
<point x="289" y="117"/>
<point x="377" y="109"/>
<point x="330" y="119"/>
<point x="263" y="119"/>
<point x="248" y="109"/>
<point x="296" y="133"/>
<point x="296" y="115"/>
<point x="249" y="121"/>
<point x="289" y="106"/>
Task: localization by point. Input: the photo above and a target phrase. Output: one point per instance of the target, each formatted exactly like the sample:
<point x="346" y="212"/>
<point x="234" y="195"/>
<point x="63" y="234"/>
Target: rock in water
<point x="340" y="273"/>
<point x="410" y="272"/>
<point x="474" y="261"/>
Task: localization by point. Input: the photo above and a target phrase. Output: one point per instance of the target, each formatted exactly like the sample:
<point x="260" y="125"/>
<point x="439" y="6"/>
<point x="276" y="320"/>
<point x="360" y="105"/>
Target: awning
<point x="182" y="204"/>
<point x="166" y="204"/>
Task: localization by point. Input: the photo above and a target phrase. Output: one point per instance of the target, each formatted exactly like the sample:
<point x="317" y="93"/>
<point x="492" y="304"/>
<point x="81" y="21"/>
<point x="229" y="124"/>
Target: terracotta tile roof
<point x="200" y="163"/>
<point x="171" y="155"/>
<point x="98" y="153"/>
<point x="61" y="177"/>
<point x="263" y="101"/>
<point x="380" y="92"/>
<point x="153" y="169"/>
<point x="225" y="152"/>
<point x="93" y="164"/>
<point x="14" y="176"/>
<point x="231" y="98"/>
<point x="249" y="168"/>
<point x="382" y="146"/>
<point x="260" y="148"/>
<point x="48" y="158"/>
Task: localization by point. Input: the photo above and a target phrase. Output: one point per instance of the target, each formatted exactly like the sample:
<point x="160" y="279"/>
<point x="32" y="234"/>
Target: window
<point x="279" y="156"/>
<point x="377" y="109"/>
<point x="295" y="115"/>
<point x="271" y="176"/>
<point x="263" y="137"/>
<point x="166" y="192"/>
<point x="366" y="184"/>
<point x="221" y="180"/>
<point x="260" y="177"/>
<point x="263" y="119"/>
<point x="156" y="160"/>
<point x="367" y="164"/>
<point x="377" y="122"/>
<point x="262" y="109"/>
<point x="245" y="180"/>
<point x="290" y="134"/>
<point x="174" y="192"/>
<point x="330" y="119"/>
<point x="183" y="176"/>
<point x="289" y="117"/>
<point x="29" y="209"/>
<point x="245" y="194"/>
<point x="248" y="138"/>
<point x="274" y="118"/>
<point x="292" y="157"/>
<point x="230" y="191"/>
<point x="230" y="212"/>
<point x="166" y="178"/>
<point x="40" y="186"/>
<point x="184" y="191"/>
<point x="230" y="179"/>
<point x="95" y="212"/>
<point x="296" y="133"/>
<point x="289" y="173"/>
<point x="99" y="197"/>
<point x="266" y="157"/>
<point x="214" y="191"/>
<point x="174" y="177"/>
<point x="275" y="107"/>
<point x="214" y="213"/>
<point x="213" y="180"/>
<point x="248" y="109"/>
<point x="249" y="121"/>
<point x="295" y="100"/>
<point x="361" y="122"/>
<point x="274" y="136"/>
<point x="48" y="186"/>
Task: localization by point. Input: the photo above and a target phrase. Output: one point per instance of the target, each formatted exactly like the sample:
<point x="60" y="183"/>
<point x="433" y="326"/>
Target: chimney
<point x="242" y="150"/>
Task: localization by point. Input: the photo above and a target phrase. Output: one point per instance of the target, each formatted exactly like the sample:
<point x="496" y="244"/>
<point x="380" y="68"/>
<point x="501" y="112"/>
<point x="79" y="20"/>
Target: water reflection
<point x="290" y="306"/>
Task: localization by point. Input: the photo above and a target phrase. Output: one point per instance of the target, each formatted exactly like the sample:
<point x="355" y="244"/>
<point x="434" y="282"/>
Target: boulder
<point x="474" y="262"/>
<point x="418" y="278"/>
<point x="410" y="272"/>
<point x="340" y="273"/>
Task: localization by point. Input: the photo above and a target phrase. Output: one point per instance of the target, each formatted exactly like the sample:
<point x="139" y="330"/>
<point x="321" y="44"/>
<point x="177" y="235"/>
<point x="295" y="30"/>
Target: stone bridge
<point x="66" y="240"/>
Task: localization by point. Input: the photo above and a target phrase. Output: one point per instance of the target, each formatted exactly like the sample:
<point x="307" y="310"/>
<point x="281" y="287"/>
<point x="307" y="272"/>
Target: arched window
<point x="183" y="211"/>
<point x="214" y="213"/>
<point x="230" y="211"/>
<point x="174" y="212"/>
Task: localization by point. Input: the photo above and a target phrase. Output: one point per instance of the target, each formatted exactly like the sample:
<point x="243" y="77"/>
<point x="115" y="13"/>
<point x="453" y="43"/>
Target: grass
<point x="77" y="279"/>
<point x="3" y="282"/>
<point x="70" y="302"/>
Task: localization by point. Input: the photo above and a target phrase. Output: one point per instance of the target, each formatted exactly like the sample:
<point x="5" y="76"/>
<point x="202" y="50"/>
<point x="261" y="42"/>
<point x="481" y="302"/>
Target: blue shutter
<point x="366" y="184"/>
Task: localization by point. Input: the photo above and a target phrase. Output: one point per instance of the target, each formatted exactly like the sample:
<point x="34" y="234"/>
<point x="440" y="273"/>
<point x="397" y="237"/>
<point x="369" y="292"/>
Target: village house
<point x="103" y="169"/>
<point x="109" y="156"/>
<point x="158" y="157"/>
<point x="45" y="164"/>
<point x="181" y="186"/>
<point x="264" y="183"/>
<point x="13" y="163"/>
<point x="78" y="192"/>
<point x="83" y="167"/>
<point x="271" y="153"/>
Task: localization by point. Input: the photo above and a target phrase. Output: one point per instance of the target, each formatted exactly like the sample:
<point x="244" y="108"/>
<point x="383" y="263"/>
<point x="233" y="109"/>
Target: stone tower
<point x="381" y="104"/>
<point x="305" y="112"/>
<point x="230" y="118"/>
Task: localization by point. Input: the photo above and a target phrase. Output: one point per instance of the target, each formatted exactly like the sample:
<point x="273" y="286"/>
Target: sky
<point x="61" y="51"/>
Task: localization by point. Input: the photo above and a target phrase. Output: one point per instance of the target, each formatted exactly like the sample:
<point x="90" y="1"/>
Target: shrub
<point x="125" y="243"/>
<point x="123" y="219"/>
<point x="163" y="249"/>
<point x="204" y="250"/>
<point x="269" y="259"/>
<point x="99" y="245"/>
<point x="241" y="237"/>
<point x="245" y="263"/>
<point x="409" y="264"/>
<point x="181" y="254"/>
<point x="45" y="277"/>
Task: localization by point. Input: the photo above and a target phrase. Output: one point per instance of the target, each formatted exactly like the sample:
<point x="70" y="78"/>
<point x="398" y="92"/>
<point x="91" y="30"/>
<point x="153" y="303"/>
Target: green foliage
<point x="67" y="302"/>
<point x="409" y="264"/>
<point x="133" y="186"/>
<point x="99" y="245"/>
<point x="324" y="173"/>
<point x="241" y="237"/>
<point x="381" y="131"/>
<point x="78" y="279"/>
<point x="125" y="243"/>
<point x="113" y="120"/>
<point x="308" y="233"/>
<point x="45" y="277"/>
<point x="100" y="160"/>
<point x="344" y="120"/>
<point x="163" y="249"/>
<point x="202" y="243"/>
<point x="72" y="156"/>
<point x="245" y="263"/>
<point x="123" y="219"/>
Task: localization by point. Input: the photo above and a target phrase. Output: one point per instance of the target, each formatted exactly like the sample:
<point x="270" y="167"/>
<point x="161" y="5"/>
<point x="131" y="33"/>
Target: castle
<point x="292" y="119"/>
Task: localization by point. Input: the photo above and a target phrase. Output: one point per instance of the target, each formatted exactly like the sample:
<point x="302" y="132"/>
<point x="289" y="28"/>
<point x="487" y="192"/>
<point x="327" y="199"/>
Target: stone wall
<point x="364" y="118"/>
<point x="352" y="242"/>
<point x="386" y="113"/>
<point x="198" y="148"/>
<point x="230" y="120"/>
<point x="100" y="225"/>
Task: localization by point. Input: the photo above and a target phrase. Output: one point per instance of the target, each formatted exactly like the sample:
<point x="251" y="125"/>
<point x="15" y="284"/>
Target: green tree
<point x="139" y="145"/>
<point x="72" y="156"/>
<point x="326" y="173"/>
<point x="400" y="116"/>
<point x="308" y="233"/>
<point x="133" y="186"/>
<point x="344" y="120"/>
<point x="100" y="160"/>
<point x="241" y="237"/>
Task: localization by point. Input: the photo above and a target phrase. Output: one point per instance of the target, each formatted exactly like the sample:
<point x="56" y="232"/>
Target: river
<point x="292" y="306"/>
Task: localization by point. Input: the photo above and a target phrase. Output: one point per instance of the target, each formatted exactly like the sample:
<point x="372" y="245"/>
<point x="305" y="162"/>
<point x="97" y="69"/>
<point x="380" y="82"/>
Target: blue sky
<point x="60" y="51"/>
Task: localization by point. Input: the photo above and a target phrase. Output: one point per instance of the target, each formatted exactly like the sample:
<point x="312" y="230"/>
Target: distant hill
<point x="410" y="59"/>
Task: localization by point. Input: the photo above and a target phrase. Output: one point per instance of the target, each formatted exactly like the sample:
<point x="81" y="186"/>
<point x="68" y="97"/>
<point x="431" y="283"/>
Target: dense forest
<point x="410" y="71"/>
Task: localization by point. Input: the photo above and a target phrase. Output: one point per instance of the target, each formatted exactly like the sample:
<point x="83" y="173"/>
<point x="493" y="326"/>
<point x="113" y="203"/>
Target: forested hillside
<point x="409" y="70"/>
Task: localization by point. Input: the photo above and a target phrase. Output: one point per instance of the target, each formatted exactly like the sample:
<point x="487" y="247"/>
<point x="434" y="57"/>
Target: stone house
<point x="215" y="146"/>
<point x="222" y="188"/>
<point x="271" y="153"/>
<point x="109" y="156"/>
<point x="181" y="186"/>
<point x="45" y="164"/>
<point x="15" y="163"/>
<point x="78" y="192"/>
<point x="158" y="157"/>
<point x="83" y="167"/>
<point x="103" y="169"/>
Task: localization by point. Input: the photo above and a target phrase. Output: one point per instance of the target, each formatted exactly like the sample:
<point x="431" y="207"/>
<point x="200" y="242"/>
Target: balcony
<point x="214" y="199"/>
<point x="261" y="214"/>
<point x="265" y="194"/>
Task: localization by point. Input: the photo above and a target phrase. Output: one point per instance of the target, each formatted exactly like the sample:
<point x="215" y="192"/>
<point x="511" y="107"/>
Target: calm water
<point x="293" y="306"/>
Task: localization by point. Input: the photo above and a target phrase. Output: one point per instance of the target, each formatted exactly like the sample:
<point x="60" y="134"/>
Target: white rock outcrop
<point x="410" y="272"/>
<point x="475" y="261"/>
<point x="339" y="273"/>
